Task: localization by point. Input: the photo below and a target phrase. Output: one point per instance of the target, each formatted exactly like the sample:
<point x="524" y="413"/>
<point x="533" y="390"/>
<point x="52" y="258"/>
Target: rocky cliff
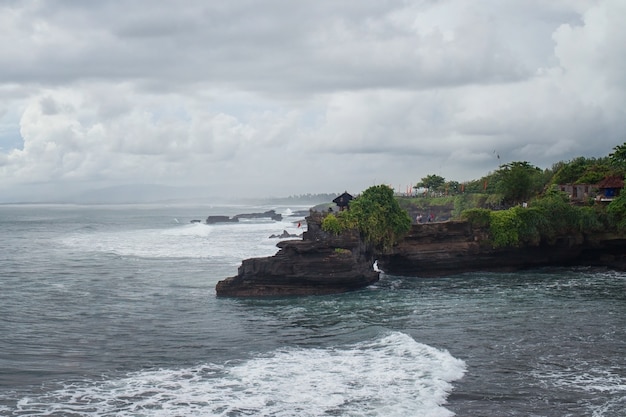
<point x="436" y="249"/>
<point x="320" y="263"/>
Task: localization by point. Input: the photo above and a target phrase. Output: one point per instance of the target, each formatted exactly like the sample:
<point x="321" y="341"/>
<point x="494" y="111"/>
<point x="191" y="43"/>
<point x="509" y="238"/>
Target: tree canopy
<point x="618" y="156"/>
<point x="432" y="182"/>
<point x="518" y="181"/>
<point x="581" y="170"/>
<point x="376" y="214"/>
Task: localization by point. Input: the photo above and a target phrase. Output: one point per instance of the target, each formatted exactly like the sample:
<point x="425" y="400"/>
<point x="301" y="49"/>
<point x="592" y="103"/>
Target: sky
<point x="250" y="98"/>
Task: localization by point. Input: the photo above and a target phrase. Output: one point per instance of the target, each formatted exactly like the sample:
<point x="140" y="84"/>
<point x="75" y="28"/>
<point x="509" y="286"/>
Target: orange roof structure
<point x="613" y="181"/>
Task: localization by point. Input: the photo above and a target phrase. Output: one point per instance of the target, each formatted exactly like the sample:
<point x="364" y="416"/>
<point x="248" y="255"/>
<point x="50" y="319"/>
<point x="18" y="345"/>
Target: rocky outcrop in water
<point x="320" y="263"/>
<point x="285" y="235"/>
<point x="270" y="214"/>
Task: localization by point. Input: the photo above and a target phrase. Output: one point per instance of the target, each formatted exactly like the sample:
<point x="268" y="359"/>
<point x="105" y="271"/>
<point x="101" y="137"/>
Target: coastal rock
<point x="270" y="214"/>
<point x="284" y="235"/>
<point x="453" y="247"/>
<point x="220" y="219"/>
<point x="317" y="264"/>
<point x="322" y="263"/>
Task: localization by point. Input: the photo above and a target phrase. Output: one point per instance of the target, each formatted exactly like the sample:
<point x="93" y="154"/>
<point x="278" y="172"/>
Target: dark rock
<point x="322" y="263"/>
<point x="318" y="264"/>
<point x="220" y="219"/>
<point x="284" y="235"/>
<point x="437" y="249"/>
<point x="271" y="214"/>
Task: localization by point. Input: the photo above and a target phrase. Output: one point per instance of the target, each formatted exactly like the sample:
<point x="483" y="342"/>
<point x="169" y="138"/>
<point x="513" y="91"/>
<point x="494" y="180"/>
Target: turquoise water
<point x="111" y="310"/>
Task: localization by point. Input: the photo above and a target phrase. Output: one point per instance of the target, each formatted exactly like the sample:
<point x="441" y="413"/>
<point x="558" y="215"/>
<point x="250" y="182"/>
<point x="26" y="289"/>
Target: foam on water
<point x="390" y="376"/>
<point x="195" y="240"/>
<point x="604" y="383"/>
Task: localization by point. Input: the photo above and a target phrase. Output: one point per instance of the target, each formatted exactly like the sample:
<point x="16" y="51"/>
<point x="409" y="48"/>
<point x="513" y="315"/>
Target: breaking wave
<point x="392" y="375"/>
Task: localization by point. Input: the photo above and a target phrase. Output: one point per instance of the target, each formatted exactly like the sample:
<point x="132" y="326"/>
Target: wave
<point x="601" y="382"/>
<point x="229" y="241"/>
<point x="392" y="375"/>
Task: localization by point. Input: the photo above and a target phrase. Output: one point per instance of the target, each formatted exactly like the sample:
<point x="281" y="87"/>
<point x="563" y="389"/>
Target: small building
<point x="343" y="201"/>
<point x="609" y="188"/>
<point x="579" y="192"/>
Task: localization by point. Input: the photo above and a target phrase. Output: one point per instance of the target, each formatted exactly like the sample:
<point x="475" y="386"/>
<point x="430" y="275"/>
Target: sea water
<point x="111" y="311"/>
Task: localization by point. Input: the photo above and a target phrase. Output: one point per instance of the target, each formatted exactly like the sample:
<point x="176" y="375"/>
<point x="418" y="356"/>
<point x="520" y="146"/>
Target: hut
<point x="343" y="201"/>
<point x="579" y="192"/>
<point x="609" y="188"/>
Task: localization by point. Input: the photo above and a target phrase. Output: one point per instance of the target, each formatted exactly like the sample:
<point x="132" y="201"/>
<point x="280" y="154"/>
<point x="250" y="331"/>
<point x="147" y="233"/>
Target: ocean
<point x="111" y="311"/>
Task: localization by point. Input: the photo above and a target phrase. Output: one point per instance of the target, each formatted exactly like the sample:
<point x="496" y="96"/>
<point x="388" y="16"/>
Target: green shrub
<point x="531" y="225"/>
<point x="617" y="211"/>
<point x="561" y="217"/>
<point x="331" y="224"/>
<point x="592" y="219"/>
<point x="545" y="219"/>
<point x="378" y="217"/>
<point x="477" y="217"/>
<point x="504" y="228"/>
<point x="343" y="251"/>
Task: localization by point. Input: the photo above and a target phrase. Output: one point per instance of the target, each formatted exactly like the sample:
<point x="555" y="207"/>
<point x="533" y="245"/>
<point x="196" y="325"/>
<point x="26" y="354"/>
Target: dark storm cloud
<point x="268" y="47"/>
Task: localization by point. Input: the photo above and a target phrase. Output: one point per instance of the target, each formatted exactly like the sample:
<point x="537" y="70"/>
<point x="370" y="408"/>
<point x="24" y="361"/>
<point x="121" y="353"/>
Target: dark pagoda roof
<point x="614" y="181"/>
<point x="343" y="200"/>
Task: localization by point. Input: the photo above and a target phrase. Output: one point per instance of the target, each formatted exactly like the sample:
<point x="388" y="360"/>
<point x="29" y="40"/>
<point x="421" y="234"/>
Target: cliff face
<point x="320" y="263"/>
<point x="436" y="249"/>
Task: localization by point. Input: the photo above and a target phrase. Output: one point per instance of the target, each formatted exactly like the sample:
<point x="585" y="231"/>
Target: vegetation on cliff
<point x="543" y="219"/>
<point x="520" y="204"/>
<point x="523" y="205"/>
<point x="376" y="214"/>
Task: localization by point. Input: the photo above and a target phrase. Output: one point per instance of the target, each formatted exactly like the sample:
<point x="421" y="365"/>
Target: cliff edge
<point x="452" y="247"/>
<point x="320" y="263"/>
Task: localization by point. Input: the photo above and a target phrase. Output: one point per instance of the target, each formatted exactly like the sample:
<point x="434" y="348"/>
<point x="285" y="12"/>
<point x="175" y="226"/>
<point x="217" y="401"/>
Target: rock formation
<point x="270" y="214"/>
<point x="452" y="247"/>
<point x="284" y="235"/>
<point x="320" y="263"/>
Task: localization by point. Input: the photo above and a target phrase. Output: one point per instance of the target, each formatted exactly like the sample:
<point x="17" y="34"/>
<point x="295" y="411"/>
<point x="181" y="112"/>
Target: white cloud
<point x="283" y="97"/>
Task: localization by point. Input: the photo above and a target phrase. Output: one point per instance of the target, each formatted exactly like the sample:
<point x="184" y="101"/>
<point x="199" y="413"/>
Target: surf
<point x="391" y="375"/>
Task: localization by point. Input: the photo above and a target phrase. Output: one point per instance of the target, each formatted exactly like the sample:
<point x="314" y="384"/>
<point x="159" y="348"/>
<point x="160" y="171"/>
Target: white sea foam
<point x="390" y="376"/>
<point x="595" y="380"/>
<point x="195" y="240"/>
<point x="605" y="383"/>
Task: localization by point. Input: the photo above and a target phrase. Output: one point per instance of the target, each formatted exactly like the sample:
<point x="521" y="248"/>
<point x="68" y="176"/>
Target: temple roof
<point x="343" y="200"/>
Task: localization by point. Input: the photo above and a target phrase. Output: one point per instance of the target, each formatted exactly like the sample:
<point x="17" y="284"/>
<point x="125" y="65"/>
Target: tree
<point x="431" y="182"/>
<point x="378" y="217"/>
<point x="452" y="187"/>
<point x="570" y="172"/>
<point x="618" y="156"/>
<point x="581" y="170"/>
<point x="518" y="181"/>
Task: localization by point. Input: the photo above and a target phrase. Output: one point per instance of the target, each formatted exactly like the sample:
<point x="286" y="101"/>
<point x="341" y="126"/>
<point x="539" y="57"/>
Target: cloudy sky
<point x="283" y="97"/>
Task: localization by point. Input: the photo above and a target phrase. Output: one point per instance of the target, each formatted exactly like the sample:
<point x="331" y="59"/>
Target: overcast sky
<point x="283" y="97"/>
